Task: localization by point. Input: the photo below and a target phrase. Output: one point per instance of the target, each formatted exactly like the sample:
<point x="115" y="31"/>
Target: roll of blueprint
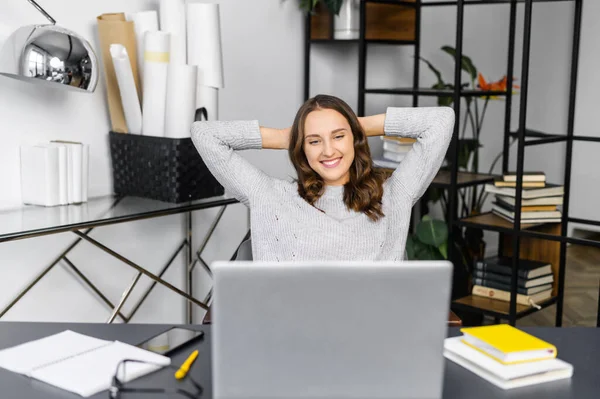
<point x="181" y="100"/>
<point x="127" y="90"/>
<point x="143" y="22"/>
<point x="172" y="20"/>
<point x="156" y="60"/>
<point x="204" y="43"/>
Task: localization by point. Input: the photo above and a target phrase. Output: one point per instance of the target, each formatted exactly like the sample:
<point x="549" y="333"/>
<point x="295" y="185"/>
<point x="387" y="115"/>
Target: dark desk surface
<point x="579" y="346"/>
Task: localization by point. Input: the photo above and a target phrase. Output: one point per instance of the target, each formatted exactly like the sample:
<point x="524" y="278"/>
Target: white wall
<point x="263" y="55"/>
<point x="262" y="44"/>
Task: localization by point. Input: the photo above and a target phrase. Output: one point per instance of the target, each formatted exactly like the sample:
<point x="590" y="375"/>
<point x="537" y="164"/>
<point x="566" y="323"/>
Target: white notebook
<point x="78" y="363"/>
<point x="505" y="376"/>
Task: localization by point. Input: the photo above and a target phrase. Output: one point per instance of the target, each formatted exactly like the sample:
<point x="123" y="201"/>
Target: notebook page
<point x="92" y="372"/>
<point x="26" y="357"/>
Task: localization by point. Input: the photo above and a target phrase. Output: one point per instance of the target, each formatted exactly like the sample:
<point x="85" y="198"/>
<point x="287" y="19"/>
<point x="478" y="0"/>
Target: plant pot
<point x="346" y="25"/>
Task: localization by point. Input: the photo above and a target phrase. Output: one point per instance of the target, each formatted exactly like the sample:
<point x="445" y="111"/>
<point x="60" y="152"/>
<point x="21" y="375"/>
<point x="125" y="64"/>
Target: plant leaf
<point x="444" y="100"/>
<point x="435" y="71"/>
<point x="434" y="194"/>
<point x="410" y="247"/>
<point x="428" y="252"/>
<point x="432" y="232"/>
<point x="444" y="249"/>
<point x="466" y="63"/>
<point x="420" y="249"/>
<point x="307" y="5"/>
<point x="334" y="6"/>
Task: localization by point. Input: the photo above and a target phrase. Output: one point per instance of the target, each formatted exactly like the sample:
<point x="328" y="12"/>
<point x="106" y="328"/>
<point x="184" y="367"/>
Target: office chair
<point x="244" y="253"/>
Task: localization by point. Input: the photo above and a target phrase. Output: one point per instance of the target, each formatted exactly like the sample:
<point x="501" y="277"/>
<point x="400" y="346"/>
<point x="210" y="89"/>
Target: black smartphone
<point x="170" y="340"/>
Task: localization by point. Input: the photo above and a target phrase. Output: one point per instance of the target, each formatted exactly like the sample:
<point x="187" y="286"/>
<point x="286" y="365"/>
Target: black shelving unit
<point x="454" y="180"/>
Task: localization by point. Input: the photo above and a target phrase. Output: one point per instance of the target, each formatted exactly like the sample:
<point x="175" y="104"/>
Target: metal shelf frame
<point x="525" y="137"/>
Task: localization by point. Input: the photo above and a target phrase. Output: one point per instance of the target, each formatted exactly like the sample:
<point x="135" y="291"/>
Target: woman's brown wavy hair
<point x="364" y="190"/>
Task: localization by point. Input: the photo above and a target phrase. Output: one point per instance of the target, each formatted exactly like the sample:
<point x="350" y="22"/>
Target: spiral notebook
<point x="78" y="363"/>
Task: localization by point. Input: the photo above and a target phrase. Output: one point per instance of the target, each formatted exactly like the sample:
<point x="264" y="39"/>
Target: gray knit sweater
<point x="287" y="228"/>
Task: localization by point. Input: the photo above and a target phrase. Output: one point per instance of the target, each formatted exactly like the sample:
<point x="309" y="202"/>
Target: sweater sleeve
<point x="433" y="128"/>
<point x="217" y="143"/>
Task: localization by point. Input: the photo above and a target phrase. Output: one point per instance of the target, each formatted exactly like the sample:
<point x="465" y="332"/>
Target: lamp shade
<point x="50" y="55"/>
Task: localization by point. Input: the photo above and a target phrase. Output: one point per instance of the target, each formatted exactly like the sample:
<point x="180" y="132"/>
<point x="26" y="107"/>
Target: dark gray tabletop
<point x="578" y="346"/>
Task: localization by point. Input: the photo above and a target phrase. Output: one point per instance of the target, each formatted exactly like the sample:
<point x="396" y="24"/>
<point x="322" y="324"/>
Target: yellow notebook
<point x="508" y="344"/>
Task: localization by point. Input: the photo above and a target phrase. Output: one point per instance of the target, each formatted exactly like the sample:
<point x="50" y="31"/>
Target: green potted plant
<point x="471" y="199"/>
<point x="429" y="242"/>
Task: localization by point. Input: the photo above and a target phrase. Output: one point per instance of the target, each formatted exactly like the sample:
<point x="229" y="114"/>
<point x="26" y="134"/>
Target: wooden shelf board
<point x="489" y="219"/>
<point x="442" y="179"/>
<point x="462" y="178"/>
<point x="396" y="42"/>
<point x="427" y="91"/>
<point x="495" y="305"/>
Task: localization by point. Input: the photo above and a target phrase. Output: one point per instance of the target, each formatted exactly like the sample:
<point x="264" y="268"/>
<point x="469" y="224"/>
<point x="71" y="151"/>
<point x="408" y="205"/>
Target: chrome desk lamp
<point x="50" y="55"/>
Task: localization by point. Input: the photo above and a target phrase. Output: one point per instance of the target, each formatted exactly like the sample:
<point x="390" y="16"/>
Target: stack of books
<point x="492" y="279"/>
<point x="539" y="199"/>
<point x="394" y="150"/>
<point x="506" y="356"/>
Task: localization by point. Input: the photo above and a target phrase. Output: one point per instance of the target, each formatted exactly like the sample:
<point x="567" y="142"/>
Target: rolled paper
<point x="127" y="90"/>
<point x="207" y="98"/>
<point x="204" y="43"/>
<point x="181" y="100"/>
<point x="172" y="20"/>
<point x="143" y="22"/>
<point x="156" y="68"/>
<point x="115" y="29"/>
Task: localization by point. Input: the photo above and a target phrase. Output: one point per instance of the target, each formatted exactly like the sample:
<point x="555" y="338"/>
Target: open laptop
<point x="329" y="329"/>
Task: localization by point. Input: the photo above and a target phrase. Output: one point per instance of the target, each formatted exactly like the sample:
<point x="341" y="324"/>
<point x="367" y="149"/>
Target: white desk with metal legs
<point x="34" y="221"/>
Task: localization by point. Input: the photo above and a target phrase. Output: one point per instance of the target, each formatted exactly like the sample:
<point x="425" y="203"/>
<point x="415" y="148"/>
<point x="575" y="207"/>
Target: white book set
<point x="54" y="173"/>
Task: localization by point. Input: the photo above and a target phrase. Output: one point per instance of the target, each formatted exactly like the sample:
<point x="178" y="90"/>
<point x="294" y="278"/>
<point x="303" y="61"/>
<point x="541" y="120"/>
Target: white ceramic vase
<point x="346" y="25"/>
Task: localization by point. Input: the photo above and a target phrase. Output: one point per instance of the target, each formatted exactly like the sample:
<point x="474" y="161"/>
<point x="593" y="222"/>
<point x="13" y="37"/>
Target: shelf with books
<point x="538" y="276"/>
<point x="401" y="20"/>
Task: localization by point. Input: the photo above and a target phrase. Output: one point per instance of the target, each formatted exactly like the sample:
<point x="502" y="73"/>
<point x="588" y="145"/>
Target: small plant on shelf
<point x="470" y="199"/>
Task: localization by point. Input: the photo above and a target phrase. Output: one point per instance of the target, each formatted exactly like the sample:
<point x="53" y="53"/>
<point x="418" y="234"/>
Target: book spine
<point x="493" y="268"/>
<point x="500" y="278"/>
<point x="499" y="294"/>
<point x="498" y="285"/>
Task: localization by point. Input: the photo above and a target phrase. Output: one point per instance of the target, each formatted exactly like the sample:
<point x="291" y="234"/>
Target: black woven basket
<point x="160" y="168"/>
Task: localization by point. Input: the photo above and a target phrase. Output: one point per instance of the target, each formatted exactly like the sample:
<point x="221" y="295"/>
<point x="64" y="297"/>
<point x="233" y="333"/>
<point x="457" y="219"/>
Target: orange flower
<point x="493" y="86"/>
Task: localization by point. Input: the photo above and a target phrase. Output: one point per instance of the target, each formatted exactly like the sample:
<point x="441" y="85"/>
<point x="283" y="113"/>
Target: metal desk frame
<point x="83" y="229"/>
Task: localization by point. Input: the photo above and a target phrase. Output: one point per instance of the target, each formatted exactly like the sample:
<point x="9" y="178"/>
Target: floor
<point x="581" y="291"/>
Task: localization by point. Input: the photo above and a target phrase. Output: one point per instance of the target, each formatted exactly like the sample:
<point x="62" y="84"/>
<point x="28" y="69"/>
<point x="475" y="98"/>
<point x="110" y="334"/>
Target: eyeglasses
<point x="118" y="386"/>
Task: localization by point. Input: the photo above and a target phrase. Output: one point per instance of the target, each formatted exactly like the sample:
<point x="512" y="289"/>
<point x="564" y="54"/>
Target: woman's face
<point x="329" y="145"/>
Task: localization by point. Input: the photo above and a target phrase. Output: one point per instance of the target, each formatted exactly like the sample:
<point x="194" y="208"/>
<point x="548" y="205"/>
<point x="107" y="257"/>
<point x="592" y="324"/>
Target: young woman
<point x="340" y="207"/>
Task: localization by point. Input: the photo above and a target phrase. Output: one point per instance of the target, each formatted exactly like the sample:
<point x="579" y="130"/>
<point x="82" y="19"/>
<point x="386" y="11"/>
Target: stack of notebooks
<point x="506" y="356"/>
<point x="394" y="151"/>
<point x="539" y="199"/>
<point x="492" y="279"/>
